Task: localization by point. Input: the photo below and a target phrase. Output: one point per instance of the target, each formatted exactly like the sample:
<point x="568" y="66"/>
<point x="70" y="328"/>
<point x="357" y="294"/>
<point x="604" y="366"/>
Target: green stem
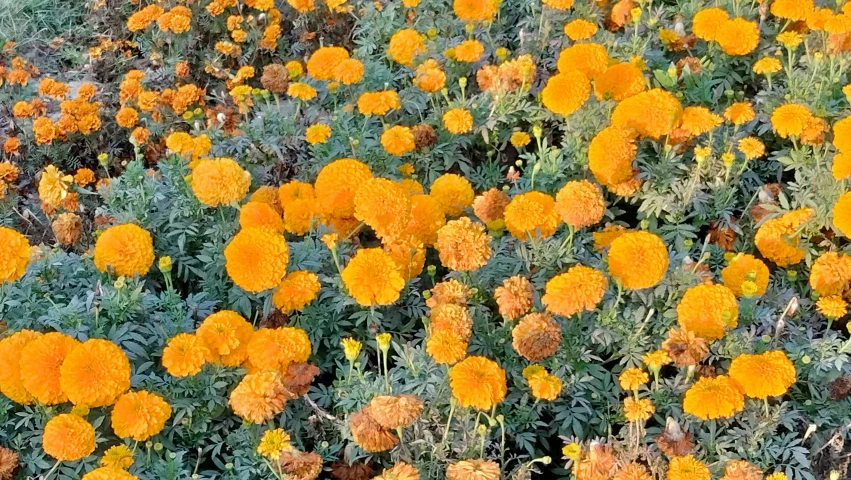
<point x="55" y="466"/>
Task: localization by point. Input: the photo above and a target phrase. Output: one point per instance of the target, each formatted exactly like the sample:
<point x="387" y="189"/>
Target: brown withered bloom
<point x="598" y="463"/>
<point x="741" y="470"/>
<point x="673" y="441"/>
<point x="693" y="65"/>
<point x="8" y="463"/>
<point x="67" y="228"/>
<point x="767" y="196"/>
<point x="722" y="235"/>
<point x="705" y="371"/>
<point x="684" y="347"/>
<point x="424" y="136"/>
<point x="298" y="377"/>
<point x="341" y="470"/>
<point x="275" y="78"/>
<point x="369" y="434"/>
<point x="300" y="465"/>
<point x="222" y="117"/>
<point x="395" y="411"/>
<point x="840" y="388"/>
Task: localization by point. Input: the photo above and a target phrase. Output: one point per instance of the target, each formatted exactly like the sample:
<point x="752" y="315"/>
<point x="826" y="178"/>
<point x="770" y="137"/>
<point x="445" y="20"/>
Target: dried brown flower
<point x="839" y="388"/>
<point x="298" y="377"/>
<point x="275" y="78"/>
<point x="8" y="463"/>
<point x="67" y="228"/>
<point x="684" y="347"/>
<point x="673" y="441"/>
<point x="358" y="470"/>
<point x="368" y="433"/>
<point x="424" y="136"/>
<point x="300" y="465"/>
<point x="395" y="411"/>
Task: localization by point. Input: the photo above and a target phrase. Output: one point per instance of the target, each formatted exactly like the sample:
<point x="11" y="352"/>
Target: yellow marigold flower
<point x="751" y="147"/>
<point x="260" y="215"/>
<point x="458" y="120"/>
<point x="619" y="82"/>
<point x="259" y="396"/>
<point x="118" y="456"/>
<point x="632" y="378"/>
<point x="337" y="184"/>
<point x="40" y="360"/>
<point x="269" y="195"/>
<point x="453" y="192"/>
<point x="11" y="351"/>
<point x="408" y="253"/>
<point x="737" y="36"/>
<point x="67" y="437"/>
<point x="108" y="473"/>
<point x="566" y="91"/>
<point x="558" y="4"/>
<point x="452" y="317"/>
<point x="708" y="310"/>
<point x="520" y="139"/>
<point x="446" y="346"/>
<point x="219" y="181"/>
<point x="383" y="205"/>
<point x="832" y="307"/>
<point x="348" y="71"/>
<point x="371" y="277"/>
<point x="463" y="244"/>
<point x="842" y="135"/>
<point x="477" y="382"/>
<point x="426" y="219"/>
<point x="324" y="60"/>
<point x="579" y="289"/>
<point x="638" y="259"/>
<point x="766" y="66"/>
<point x="707" y="22"/>
<point x="514" y="297"/>
<point x="794" y="10"/>
<point x="842" y="214"/>
<point x="351" y="348"/>
<point x="632" y="471"/>
<point x="301" y="6"/>
<point x="225" y="335"/>
<point x="14" y="256"/>
<point x="53" y="185"/>
<point x="790" y="39"/>
<point x="818" y="18"/>
<point x="139" y="415"/>
<point x="469" y="51"/>
<point x="745" y="268"/>
<point x="378" y="103"/>
<point x="395" y="411"/>
<point x="714" y="397"/>
<point x="273" y="443"/>
<point x="429" y="77"/>
<point x="637" y="410"/>
<point x="184" y="355"/>
<point x="652" y="113"/>
<point x="474" y="469"/>
<point x="95" y="373"/>
<point x="531" y="214"/>
<point x="767" y="374"/>
<point x="293" y="191"/>
<point x="790" y="119"/>
<point x="296" y="291"/>
<point x="838" y="24"/>
<point x="830" y="274"/>
<point x="656" y="359"/>
<point x="687" y="468"/>
<point x="536" y="336"/>
<point x="776" y="476"/>
<point x="401" y="470"/>
<point x="368" y="434"/>
<point x="698" y="120"/>
<point x="580" y="29"/>
<point x="543" y="385"/>
<point x="256" y="259"/>
<point x="778" y="239"/>
<point x="405" y="45"/>
<point x="277" y="348"/>
<point x="589" y="58"/>
<point x="474" y="10"/>
<point x="739" y="113"/>
<point x="580" y="203"/>
<point x="610" y="155"/>
<point x="317" y="133"/>
<point x="398" y="140"/>
<point x="301" y="91"/>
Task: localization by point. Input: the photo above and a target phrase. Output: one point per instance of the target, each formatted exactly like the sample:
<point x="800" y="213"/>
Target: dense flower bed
<point x="427" y="239"/>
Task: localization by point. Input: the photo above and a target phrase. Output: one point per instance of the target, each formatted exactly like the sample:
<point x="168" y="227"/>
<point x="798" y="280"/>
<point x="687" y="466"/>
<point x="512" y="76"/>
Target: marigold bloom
<point x="429" y="77"/>
<point x="139" y="415"/>
<point x="40" y="360"/>
<point x="632" y="471"/>
<point x="832" y="307"/>
<point x="708" y="310"/>
<point x="408" y="253"/>
<point x="684" y="347"/>
<point x="324" y="60"/>
<point x="790" y="119"/>
<point x="225" y="335"/>
<point x="589" y="58"/>
<point x="399" y="471"/>
<point x="514" y="297"/>
<point x="473" y="469"/>
<point x="778" y="240"/>
<point x="745" y="268"/>
<point x="68" y="437"/>
<point x="371" y="277"/>
<point x="463" y="244"/>
<point x="398" y="140"/>
<point x="619" y="82"/>
<point x="378" y="103"/>
<point x="698" y="120"/>
<point x="14" y="256"/>
<point x="336" y="185"/>
<point x="751" y="148"/>
<point x="842" y="214"/>
<point x="317" y="133"/>
<point x="453" y="192"/>
<point x="446" y="346"/>
<point x="277" y="348"/>
<point x="687" y="468"/>
<point x="610" y="155"/>
<point x="477" y="382"/>
<point x="184" y="355"/>
<point x="580" y="203"/>
<point x="395" y="411"/>
<point x="449" y="291"/>
<point x="637" y="410"/>
<point x="95" y="373"/>
<point x="714" y="397"/>
<point x="739" y="113"/>
<point x="766" y="66"/>
<point x="458" y="120"/>
<point x="383" y="205"/>
<point x="830" y="274"/>
<point x="469" y="51"/>
<point x="558" y="4"/>
<point x="118" y="457"/>
<point x="126" y="117"/>
<point x="489" y="206"/>
<point x="737" y="36"/>
<point x="53" y="186"/>
<point x="260" y="215"/>
<point x="301" y="91"/>
<point x="11" y="351"/>
<point x="426" y="219"/>
<point x="566" y="91"/>
<point x="638" y="259"/>
<point x="652" y="113"/>
<point x="348" y="71"/>
<point x="259" y="396"/>
<point x="531" y="214"/>
<point x="543" y="385"/>
<point x="449" y="316"/>
<point x="767" y="374"/>
<point x="707" y="22"/>
<point x="536" y="336"/>
<point x="794" y="10"/>
<point x="142" y="18"/>
<point x="219" y="181"/>
<point x="405" y="45"/>
<point x="580" y="29"/>
<point x="632" y="378"/>
<point x="579" y="289"/>
<point x="369" y="434"/>
<point x="256" y="259"/>
<point x="296" y="290"/>
<point x="273" y="443"/>
<point x="474" y="10"/>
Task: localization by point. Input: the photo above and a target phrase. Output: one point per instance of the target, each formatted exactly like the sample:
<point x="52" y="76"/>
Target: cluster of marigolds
<point x="346" y="199"/>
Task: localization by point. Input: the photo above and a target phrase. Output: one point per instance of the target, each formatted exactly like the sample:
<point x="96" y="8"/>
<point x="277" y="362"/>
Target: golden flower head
<point x="95" y="373"/>
<point x="768" y="374"/>
<point x="714" y="397"/>
<point x="399" y="471"/>
<point x="277" y="348"/>
<point x="458" y="120"/>
<point x="184" y="355"/>
<point x="544" y="386"/>
<point x="219" y="181"/>
<point x="638" y="410"/>
<point x="225" y="335"/>
<point x="830" y="274"/>
<point x="351" y="348"/>
<point x="11" y="350"/>
<point x="708" y="310"/>
<point x="536" y="336"/>
<point x="383" y="205"/>
<point x="687" y="468"/>
<point x="589" y="58"/>
<point x="832" y="307"/>
<point x="404" y="45"/>
<point x="453" y="192"/>
<point x="337" y="184"/>
<point x="474" y="10"/>
<point x="256" y="259"/>
<point x="739" y="113"/>
<point x="656" y="359"/>
<point x="842" y="214"/>
<point x="790" y="119"/>
<point x="426" y="219"/>
<point x="778" y="238"/>
<point x="579" y="289"/>
<point x="514" y="297"/>
<point x="520" y="139"/>
<point x="261" y="215"/>
<point x="619" y="82"/>
<point x="371" y="277"/>
<point x="566" y="91"/>
<point x="737" y="36"/>
<point x="14" y="256"/>
<point x="531" y="214"/>
<point x="274" y="442"/>
<point x="369" y="434"/>
<point x="463" y="245"/>
<point x="792" y="9"/>
<point x="638" y="259"/>
<point x="632" y="378"/>
<point x="118" y="456"/>
<point x="40" y="361"/>
<point x="324" y="60"/>
<point x="67" y="437"/>
<point x="296" y="290"/>
<point x="580" y="29"/>
<point x="139" y="415"/>
<point x="317" y="133"/>
<point x="398" y="140"/>
<point x="477" y="382"/>
<point x="707" y="22"/>
<point x="580" y="203"/>
<point x="652" y="113"/>
<point x="610" y="155"/>
<point x="259" y="396"/>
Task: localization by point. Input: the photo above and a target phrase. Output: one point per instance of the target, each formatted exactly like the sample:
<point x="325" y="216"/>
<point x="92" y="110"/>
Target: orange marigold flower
<point x="317" y="133"/>
<point x="11" y="145"/>
<point x="469" y="51"/>
<point x="558" y="4"/>
<point x="395" y="411"/>
<point x="383" y="205"/>
<point x="687" y="468"/>
<point x="44" y="130"/>
<point x="378" y="103"/>
<point x="449" y="291"/>
<point x="580" y="204"/>
<point x="371" y="277"/>
<point x="566" y="91"/>
<point x="184" y="355"/>
<point x="536" y="336"/>
<point x="259" y="396"/>
<point x="589" y="58"/>
<point x="295" y="190"/>
<point x="742" y="470"/>
<point x="474" y="10"/>
<point x="842" y="135"/>
<point x="707" y="22"/>
<point x="14" y="256"/>
<point x="256" y="259"/>
<point x="790" y="119"/>
<point x="832" y="307"/>
<point x="426" y="219"/>
<point x="399" y="471"/>
<point x="446" y="346"/>
<point x="348" y="71"/>
<point x="301" y="6"/>
<point x="53" y="186"/>
<point x="11" y="349"/>
<point x="219" y="181"/>
<point x="277" y="348"/>
<point x="269" y="195"/>
<point x="778" y="238"/>
<point x="514" y="297"/>
<point x="127" y="117"/>
<point x="477" y="382"/>
<point x="579" y="289"/>
<point x="369" y="434"/>
<point x="260" y="215"/>
<point x="842" y="214"/>
<point x="638" y="259"/>
<point x="632" y="471"/>
<point x="714" y="397"/>
<point x="766" y="66"/>
<point x="428" y="76"/>
<point x="767" y="374"/>
<point x="144" y="17"/>
<point x="830" y="274"/>
<point x="398" y="140"/>
<point x="139" y="415"/>
<point x="128" y="249"/>
<point x="453" y="192"/>
<point x="324" y="61"/>
<point x="108" y="473"/>
<point x="737" y="36"/>
<point x="708" y="310"/>
<point x="463" y="244"/>
<point x="40" y="360"/>
<point x="489" y="206"/>
<point x="67" y="437"/>
<point x="531" y="214"/>
<point x="405" y="45"/>
<point x="751" y="148"/>
<point x="619" y="82"/>
<point x="337" y="184"/>
<point x="225" y="335"/>
<point x="544" y="386"/>
<point x="580" y="29"/>
<point x="745" y="268"/>
<point x="652" y="114"/>
<point x="632" y="378"/>
<point x="698" y="120"/>
<point x="458" y="120"/>
<point x="84" y="176"/>
<point x="638" y="410"/>
<point x="794" y="10"/>
<point x="473" y="469"/>
<point x="296" y="290"/>
<point x="95" y="373"/>
<point x="408" y="253"/>
<point x="739" y="113"/>
<point x="449" y="316"/>
<point x="610" y="155"/>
